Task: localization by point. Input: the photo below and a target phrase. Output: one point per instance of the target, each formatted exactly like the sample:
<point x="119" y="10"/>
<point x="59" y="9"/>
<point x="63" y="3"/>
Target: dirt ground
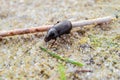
<point x="98" y="47"/>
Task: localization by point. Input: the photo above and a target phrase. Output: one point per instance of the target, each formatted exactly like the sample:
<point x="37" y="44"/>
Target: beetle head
<point x="51" y="34"/>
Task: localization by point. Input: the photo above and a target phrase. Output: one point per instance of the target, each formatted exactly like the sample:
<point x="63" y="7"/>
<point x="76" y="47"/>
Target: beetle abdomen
<point x="63" y="27"/>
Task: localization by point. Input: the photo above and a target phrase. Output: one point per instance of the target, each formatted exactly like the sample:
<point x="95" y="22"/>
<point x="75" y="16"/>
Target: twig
<point x="61" y="58"/>
<point x="83" y="71"/>
<point x="93" y="21"/>
<point x="46" y="27"/>
<point x="25" y="31"/>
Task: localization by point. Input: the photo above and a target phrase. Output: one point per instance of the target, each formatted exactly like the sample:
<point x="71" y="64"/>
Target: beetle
<point x="60" y="28"/>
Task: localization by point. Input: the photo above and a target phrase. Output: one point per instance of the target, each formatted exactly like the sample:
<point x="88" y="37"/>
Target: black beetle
<point x="58" y="29"/>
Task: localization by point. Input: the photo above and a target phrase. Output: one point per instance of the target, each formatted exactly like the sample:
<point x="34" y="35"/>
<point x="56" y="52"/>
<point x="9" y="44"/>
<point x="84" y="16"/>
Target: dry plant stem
<point x="83" y="71"/>
<point x="24" y="31"/>
<point x="46" y="27"/>
<point x="92" y="21"/>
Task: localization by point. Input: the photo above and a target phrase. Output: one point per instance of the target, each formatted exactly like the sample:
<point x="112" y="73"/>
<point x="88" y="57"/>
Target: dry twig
<point x="46" y="27"/>
<point x="83" y="71"/>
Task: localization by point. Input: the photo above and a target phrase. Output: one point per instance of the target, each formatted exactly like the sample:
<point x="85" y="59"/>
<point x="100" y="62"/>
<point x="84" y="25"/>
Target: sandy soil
<point x="22" y="59"/>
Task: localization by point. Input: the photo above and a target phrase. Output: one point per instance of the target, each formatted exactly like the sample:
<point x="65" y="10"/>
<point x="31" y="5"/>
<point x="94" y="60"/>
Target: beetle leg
<point x="0" y="38"/>
<point x="53" y="43"/>
<point x="64" y="39"/>
<point x="57" y="22"/>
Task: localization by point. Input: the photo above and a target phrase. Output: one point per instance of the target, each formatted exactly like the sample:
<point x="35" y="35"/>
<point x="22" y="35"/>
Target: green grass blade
<point x="61" y="70"/>
<point x="61" y="58"/>
<point x="73" y="62"/>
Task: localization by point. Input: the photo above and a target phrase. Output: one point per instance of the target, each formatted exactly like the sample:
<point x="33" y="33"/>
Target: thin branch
<point x="93" y="21"/>
<point x="83" y="71"/>
<point x="46" y="27"/>
<point x="24" y="31"/>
